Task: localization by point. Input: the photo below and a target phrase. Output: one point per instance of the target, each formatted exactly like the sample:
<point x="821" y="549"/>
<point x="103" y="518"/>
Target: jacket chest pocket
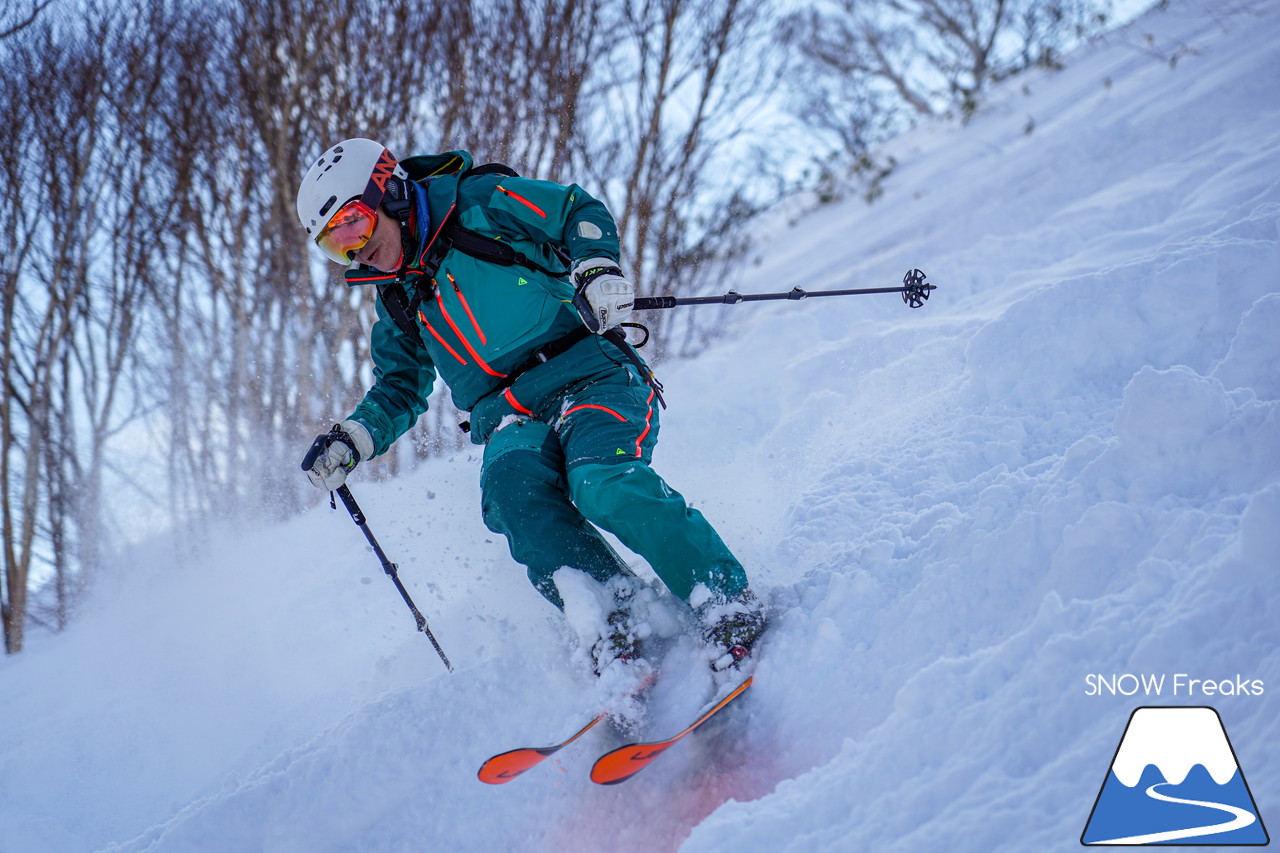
<point x="482" y="319"/>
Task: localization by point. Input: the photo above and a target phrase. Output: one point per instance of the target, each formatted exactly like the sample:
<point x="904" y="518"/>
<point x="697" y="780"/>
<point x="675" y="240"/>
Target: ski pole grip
<point x="647" y="303"/>
<point x="317" y="447"/>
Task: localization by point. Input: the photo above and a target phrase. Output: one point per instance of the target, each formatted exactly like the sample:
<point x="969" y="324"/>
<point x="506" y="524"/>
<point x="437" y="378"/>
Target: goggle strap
<point x="399" y="204"/>
<point x="383" y="171"/>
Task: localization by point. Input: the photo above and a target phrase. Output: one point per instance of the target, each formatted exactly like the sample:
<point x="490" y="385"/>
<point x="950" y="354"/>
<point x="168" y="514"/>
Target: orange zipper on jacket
<point x="443" y="342"/>
<point x="463" y="299"/>
<point x="465" y="343"/>
<point x="509" y="194"/>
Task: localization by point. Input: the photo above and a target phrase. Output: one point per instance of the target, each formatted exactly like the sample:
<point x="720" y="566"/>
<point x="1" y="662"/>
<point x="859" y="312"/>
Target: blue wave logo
<point x="1175" y="780"/>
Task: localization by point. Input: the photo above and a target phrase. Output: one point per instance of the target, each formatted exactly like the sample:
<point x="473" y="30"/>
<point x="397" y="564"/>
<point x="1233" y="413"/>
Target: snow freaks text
<point x="1178" y="684"/>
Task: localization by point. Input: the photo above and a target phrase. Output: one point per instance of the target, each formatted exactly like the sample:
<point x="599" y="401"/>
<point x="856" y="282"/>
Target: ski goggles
<point x="347" y="232"/>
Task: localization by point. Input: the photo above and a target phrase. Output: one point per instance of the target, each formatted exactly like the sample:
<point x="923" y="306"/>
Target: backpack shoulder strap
<point x="400" y="309"/>
<point x="490" y="169"/>
<point x="493" y="250"/>
<point x="453" y="235"/>
<point x="490" y="249"/>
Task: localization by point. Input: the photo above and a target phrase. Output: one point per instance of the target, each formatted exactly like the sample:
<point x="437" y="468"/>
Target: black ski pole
<point x="392" y="570"/>
<point x="915" y="292"/>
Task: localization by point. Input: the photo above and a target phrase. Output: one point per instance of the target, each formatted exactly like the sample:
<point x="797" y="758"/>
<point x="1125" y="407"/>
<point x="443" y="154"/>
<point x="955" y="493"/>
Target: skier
<point x="509" y="289"/>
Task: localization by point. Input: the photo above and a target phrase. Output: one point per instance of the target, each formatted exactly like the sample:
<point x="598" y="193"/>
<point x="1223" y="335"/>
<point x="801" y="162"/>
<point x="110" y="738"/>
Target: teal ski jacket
<point x="479" y="320"/>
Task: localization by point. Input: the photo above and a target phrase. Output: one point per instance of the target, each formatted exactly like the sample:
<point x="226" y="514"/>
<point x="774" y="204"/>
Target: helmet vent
<point x="324" y="208"/>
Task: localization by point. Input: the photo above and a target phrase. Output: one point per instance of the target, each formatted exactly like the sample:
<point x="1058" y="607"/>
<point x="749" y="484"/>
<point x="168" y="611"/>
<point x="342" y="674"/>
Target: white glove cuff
<point x="583" y="267"/>
<point x="360" y="437"/>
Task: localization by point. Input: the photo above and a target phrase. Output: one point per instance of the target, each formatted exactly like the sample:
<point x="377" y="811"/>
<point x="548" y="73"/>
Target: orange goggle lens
<point x="347" y="232"/>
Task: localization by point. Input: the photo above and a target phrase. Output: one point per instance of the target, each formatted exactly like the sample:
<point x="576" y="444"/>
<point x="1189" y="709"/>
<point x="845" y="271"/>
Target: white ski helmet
<point x="354" y="168"/>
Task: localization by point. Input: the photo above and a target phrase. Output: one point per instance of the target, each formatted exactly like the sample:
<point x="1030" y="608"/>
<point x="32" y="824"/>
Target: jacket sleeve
<point x="547" y="212"/>
<point x="403" y="376"/>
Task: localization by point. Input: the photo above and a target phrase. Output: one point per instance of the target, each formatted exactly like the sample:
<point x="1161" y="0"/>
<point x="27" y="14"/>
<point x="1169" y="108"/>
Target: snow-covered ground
<point x="1067" y="463"/>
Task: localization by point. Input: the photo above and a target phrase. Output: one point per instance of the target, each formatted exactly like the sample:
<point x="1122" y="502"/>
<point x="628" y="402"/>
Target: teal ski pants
<point x="546" y="487"/>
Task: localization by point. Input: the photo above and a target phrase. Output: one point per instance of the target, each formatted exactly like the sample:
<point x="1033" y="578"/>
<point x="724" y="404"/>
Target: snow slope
<point x="1067" y="463"/>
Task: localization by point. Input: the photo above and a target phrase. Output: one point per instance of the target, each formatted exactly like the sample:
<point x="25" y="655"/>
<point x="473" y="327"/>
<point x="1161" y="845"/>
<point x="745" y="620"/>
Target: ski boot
<point x="731" y="626"/>
<point x="617" y="643"/>
<point x="620" y="638"/>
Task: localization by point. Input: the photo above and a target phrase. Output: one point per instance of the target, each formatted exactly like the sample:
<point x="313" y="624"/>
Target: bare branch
<point x="37" y="7"/>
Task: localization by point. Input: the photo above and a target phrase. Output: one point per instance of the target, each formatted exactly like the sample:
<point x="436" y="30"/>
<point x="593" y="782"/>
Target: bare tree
<point x="40" y="302"/>
<point x="76" y="300"/>
<point x="869" y="68"/>
<point x="22" y="327"/>
<point x="672" y="100"/>
<point x="516" y="100"/>
<point x="18" y="16"/>
<point x="253" y="322"/>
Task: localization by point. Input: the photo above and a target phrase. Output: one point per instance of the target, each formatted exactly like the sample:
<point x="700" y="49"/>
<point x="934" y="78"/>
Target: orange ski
<point x="507" y="766"/>
<point x="502" y="768"/>
<point x="626" y="761"/>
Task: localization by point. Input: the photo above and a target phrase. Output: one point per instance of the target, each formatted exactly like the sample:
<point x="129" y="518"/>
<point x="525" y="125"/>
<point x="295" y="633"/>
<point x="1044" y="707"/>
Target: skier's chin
<point x="381" y="261"/>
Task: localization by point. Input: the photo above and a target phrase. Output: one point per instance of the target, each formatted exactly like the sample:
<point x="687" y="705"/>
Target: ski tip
<point x="505" y="766"/>
<point x="621" y="764"/>
<point x="624" y="762"/>
<point x="509" y="765"/>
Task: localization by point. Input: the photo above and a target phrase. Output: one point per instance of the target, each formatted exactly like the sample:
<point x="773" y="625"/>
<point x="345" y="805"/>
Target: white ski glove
<point x="339" y="453"/>
<point x="602" y="295"/>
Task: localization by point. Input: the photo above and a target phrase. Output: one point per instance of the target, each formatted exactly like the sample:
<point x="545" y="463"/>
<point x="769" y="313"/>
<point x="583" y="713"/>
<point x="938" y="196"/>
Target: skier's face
<point x="383" y="251"/>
